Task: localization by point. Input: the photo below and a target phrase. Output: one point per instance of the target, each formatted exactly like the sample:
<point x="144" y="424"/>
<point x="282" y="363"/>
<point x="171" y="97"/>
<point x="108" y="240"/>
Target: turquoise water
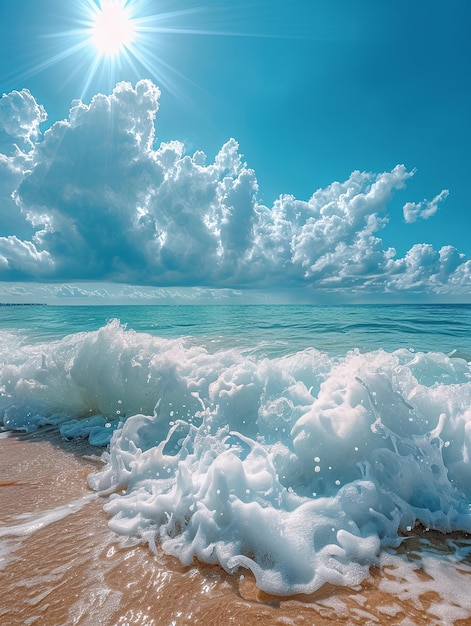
<point x="273" y="330"/>
<point x="294" y="441"/>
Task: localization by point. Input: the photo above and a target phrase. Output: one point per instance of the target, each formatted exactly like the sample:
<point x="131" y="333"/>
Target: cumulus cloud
<point x="103" y="201"/>
<point x="20" y="120"/>
<point x="22" y="259"/>
<point x="425" y="209"/>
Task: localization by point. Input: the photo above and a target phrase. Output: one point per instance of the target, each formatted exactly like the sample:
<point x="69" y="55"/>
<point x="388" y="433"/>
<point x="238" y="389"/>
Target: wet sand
<point x="60" y="565"/>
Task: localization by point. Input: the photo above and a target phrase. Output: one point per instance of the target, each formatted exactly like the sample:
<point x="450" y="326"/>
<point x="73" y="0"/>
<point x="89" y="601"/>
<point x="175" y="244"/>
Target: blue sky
<point x="336" y="136"/>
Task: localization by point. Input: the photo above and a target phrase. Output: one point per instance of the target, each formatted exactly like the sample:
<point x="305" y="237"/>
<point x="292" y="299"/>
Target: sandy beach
<point x="60" y="564"/>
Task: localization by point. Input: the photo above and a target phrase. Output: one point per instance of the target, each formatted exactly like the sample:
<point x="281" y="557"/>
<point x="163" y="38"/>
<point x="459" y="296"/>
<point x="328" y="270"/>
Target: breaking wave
<point x="300" y="468"/>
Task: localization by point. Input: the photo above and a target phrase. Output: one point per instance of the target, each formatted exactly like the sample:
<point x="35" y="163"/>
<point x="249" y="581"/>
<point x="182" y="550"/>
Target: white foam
<point x="411" y="579"/>
<point x="32" y="523"/>
<point x="36" y="521"/>
<point x="298" y="468"/>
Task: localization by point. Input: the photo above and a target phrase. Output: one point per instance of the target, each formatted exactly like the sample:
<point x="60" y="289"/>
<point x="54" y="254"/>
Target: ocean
<point x="228" y="464"/>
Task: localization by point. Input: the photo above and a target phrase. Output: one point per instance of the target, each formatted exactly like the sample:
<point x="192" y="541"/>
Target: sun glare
<point x="113" y="30"/>
<point x="114" y="40"/>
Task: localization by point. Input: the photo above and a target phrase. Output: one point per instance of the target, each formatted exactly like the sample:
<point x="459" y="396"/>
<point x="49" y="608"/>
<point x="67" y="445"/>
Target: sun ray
<point x="113" y="40"/>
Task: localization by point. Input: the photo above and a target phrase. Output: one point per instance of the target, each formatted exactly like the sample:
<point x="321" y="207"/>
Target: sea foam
<point x="300" y="468"/>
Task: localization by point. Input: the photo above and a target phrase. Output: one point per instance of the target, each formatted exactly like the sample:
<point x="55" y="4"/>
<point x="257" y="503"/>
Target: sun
<point x="116" y="40"/>
<point x="113" y="29"/>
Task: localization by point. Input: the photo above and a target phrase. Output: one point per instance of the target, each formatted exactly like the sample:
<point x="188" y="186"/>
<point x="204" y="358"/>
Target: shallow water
<point x="75" y="571"/>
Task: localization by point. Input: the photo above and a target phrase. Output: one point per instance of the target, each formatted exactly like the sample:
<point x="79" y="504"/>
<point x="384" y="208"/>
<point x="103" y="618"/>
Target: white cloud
<point x="424" y="270"/>
<point x="112" y="293"/>
<point x="20" y="118"/>
<point x="22" y="258"/>
<point x="425" y="209"/>
<point x="104" y="202"/>
<point x="74" y="292"/>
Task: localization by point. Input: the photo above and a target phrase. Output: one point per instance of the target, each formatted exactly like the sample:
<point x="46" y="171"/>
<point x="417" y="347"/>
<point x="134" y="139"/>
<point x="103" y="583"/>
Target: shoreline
<point x="60" y="564"/>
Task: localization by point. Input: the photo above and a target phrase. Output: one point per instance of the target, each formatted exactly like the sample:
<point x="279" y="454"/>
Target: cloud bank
<point x="96" y="198"/>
